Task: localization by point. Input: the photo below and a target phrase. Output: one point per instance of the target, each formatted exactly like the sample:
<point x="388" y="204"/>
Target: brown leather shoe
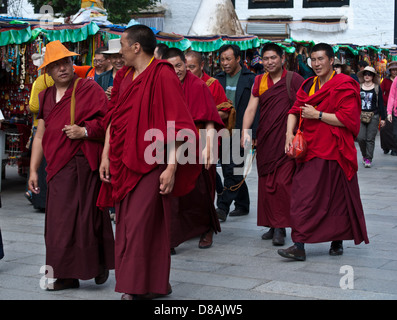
<point x="126" y="296"/>
<point x="206" y="240"/>
<point x="268" y="235"/>
<point x="293" y="253"/>
<point x="101" y="278"/>
<point x="63" y="284"/>
<point x="279" y="237"/>
<point x="151" y="295"/>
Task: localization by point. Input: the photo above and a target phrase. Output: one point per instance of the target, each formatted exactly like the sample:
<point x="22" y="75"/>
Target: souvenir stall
<point x="19" y="40"/>
<point x="16" y="77"/>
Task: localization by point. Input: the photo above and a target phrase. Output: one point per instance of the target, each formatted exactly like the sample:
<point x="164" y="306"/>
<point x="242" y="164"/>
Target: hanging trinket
<point x="22" y="79"/>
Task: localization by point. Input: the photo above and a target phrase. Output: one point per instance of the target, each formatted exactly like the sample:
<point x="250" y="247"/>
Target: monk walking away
<point x="78" y="236"/>
<point x="194" y="214"/>
<point x="274" y="93"/>
<point x="148" y="95"/>
<point x="325" y="196"/>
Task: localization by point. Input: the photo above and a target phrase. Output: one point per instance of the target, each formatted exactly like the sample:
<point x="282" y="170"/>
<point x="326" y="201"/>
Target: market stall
<point x="19" y="40"/>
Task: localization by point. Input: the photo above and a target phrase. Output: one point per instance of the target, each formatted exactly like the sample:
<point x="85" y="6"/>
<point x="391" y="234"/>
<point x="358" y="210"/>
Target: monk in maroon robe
<point x="194" y="214"/>
<point x="275" y="93"/>
<point x="78" y="236"/>
<point x="325" y="196"/>
<point x="148" y="98"/>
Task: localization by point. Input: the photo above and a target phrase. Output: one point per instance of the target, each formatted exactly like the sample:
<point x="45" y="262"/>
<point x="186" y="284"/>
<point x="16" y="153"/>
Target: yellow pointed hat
<point x="55" y="51"/>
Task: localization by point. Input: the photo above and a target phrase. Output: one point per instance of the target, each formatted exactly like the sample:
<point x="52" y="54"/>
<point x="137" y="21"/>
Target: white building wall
<point x="179" y="15"/>
<point x="370" y="22"/>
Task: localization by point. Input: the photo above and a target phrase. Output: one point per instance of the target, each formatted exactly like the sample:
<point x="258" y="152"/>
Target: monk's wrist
<point x="172" y="167"/>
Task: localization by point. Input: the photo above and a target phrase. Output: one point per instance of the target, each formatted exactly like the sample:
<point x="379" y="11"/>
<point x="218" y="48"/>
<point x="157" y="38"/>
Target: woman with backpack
<point x="371" y="110"/>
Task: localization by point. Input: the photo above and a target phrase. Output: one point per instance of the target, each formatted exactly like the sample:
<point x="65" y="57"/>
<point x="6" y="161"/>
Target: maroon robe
<point x="142" y="213"/>
<point x="78" y="236"/>
<point x="194" y="213"/>
<point x="275" y="169"/>
<point x="325" y="196"/>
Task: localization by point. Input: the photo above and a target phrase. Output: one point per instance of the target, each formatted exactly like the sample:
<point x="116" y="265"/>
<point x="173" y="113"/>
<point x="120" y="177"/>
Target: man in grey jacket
<point x="237" y="81"/>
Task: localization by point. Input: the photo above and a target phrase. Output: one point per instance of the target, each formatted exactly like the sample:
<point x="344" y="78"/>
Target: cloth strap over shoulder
<point x="288" y="82"/>
<point x="73" y="102"/>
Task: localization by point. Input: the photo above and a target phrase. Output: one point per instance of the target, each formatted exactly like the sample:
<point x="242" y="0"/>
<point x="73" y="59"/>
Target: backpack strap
<point x="88" y="71"/>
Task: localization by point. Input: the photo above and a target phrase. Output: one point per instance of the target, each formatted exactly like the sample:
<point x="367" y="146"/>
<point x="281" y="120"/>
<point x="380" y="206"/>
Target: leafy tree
<point x="119" y="11"/>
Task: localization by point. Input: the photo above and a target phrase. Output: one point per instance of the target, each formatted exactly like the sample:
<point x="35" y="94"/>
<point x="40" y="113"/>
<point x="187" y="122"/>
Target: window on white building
<point x="3" y="6"/>
<point x="258" y="4"/>
<point x="325" y="3"/>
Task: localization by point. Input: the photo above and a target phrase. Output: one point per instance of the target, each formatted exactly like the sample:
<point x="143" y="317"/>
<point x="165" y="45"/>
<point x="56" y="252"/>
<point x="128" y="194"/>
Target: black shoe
<point x="172" y="251"/>
<point x="238" y="212"/>
<point x="393" y="153"/>
<point x="279" y="237"/>
<point x="63" y="284"/>
<point x="336" y="248"/>
<point x="268" y="235"/>
<point x="293" y="253"/>
<point x="101" y="278"/>
<point x="386" y="151"/>
<point x="222" y="215"/>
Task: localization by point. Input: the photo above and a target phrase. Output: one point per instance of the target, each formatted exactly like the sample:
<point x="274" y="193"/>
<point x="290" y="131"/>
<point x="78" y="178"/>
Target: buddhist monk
<point x="195" y="214"/>
<point x="78" y="236"/>
<point x="325" y="196"/>
<point x="274" y="92"/>
<point x="146" y="100"/>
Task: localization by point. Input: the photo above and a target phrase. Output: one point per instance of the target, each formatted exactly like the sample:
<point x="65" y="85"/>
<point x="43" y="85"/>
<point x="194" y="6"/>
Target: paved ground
<point x="239" y="266"/>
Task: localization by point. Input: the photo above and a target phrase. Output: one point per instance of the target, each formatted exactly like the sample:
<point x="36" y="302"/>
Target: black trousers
<point x="226" y="197"/>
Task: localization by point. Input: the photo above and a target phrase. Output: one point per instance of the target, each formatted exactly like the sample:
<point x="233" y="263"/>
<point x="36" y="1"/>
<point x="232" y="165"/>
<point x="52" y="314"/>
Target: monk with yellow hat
<point x="79" y="239"/>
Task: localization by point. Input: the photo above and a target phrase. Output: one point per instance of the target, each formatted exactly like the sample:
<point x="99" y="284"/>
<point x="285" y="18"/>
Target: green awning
<point x="15" y="36"/>
<point x="244" y="42"/>
<point x="63" y="33"/>
<point x="69" y="33"/>
<point x="179" y="42"/>
<point x="205" y="44"/>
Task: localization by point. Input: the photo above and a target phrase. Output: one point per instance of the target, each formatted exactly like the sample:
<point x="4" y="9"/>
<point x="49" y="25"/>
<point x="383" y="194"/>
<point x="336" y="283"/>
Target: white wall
<point x="370" y="22"/>
<point x="179" y="15"/>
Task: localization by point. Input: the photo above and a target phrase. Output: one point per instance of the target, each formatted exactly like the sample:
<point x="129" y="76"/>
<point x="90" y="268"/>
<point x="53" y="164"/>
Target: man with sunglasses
<point x="101" y="64"/>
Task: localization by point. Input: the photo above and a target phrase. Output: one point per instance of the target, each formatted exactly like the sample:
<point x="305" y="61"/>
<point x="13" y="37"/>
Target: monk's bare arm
<point x="292" y="120"/>
<point x="36" y="157"/>
<point x="248" y="119"/>
<point x="224" y="115"/>
<point x="104" y="171"/>
<point x="167" y="177"/>
<point x="208" y="151"/>
<point x="309" y="112"/>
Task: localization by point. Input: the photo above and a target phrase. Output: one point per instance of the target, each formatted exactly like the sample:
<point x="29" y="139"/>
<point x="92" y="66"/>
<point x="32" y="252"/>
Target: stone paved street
<point x="240" y="265"/>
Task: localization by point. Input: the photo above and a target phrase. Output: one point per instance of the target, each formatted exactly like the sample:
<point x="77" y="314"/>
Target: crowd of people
<point x="96" y="128"/>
